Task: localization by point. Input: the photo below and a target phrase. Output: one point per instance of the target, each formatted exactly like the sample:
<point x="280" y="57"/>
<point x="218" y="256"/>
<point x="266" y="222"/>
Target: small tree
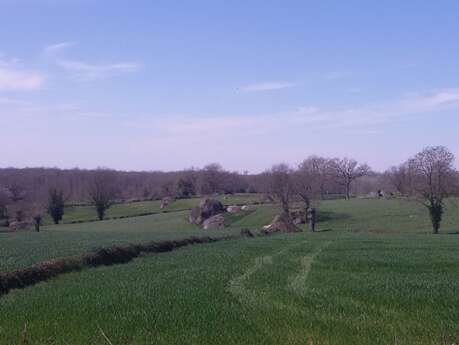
<point x="102" y="191"/>
<point x="347" y="171"/>
<point x="281" y="185"/>
<point x="309" y="181"/>
<point x="433" y="180"/>
<point x="56" y="204"/>
<point x="37" y="217"/>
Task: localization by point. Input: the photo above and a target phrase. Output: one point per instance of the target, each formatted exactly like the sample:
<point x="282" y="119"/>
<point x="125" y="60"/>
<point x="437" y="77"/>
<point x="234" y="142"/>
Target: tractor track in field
<point x="237" y="286"/>
<point x="297" y="282"/>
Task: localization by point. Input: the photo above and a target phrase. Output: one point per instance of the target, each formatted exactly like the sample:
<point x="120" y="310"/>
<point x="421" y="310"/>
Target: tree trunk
<point x="348" y="191"/>
<point x="311" y="217"/>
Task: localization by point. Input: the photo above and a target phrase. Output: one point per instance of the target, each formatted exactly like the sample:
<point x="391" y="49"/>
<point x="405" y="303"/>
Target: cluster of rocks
<point x="209" y="214"/>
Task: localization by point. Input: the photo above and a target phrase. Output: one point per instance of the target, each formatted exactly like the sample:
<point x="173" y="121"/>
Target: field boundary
<point x="46" y="270"/>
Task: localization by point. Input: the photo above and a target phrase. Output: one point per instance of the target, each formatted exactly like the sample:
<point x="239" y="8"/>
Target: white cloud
<point x="12" y="79"/>
<point x="88" y="72"/>
<point x="84" y="71"/>
<point x="54" y="49"/>
<point x="269" y="86"/>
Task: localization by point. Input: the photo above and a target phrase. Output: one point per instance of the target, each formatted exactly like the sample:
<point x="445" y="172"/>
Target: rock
<point x="15" y="226"/>
<point x="282" y="223"/>
<point x="195" y="216"/>
<point x="207" y="208"/>
<point x="214" y="222"/>
<point x="247" y="208"/>
<point x="234" y="209"/>
<point x="165" y="202"/>
<point x="298" y="217"/>
<point x="210" y="207"/>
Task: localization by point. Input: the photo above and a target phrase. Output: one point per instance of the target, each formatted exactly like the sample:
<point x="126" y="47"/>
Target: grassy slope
<point x="342" y="286"/>
<point x="357" y="289"/>
<point x="88" y="213"/>
<point x="386" y="216"/>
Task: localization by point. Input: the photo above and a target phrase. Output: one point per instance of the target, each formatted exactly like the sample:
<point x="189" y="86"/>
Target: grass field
<point x="373" y="274"/>
<point x="88" y="213"/>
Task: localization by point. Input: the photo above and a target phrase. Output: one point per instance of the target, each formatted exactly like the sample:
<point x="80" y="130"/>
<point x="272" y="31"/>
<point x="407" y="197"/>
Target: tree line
<point x="27" y="194"/>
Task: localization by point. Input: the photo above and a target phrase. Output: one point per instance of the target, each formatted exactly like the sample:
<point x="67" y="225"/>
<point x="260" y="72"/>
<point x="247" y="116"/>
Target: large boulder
<point x="210" y="207"/>
<point x="214" y="222"/>
<point x="282" y="223"/>
<point x="207" y="208"/>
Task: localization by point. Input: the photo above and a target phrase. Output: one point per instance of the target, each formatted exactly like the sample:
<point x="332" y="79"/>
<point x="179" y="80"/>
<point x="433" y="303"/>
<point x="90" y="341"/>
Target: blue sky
<point x="165" y="85"/>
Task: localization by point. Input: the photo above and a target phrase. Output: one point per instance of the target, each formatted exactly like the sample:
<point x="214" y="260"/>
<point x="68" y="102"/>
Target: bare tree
<point x="103" y="190"/>
<point x="309" y="182"/>
<point x="433" y="180"/>
<point x="281" y="185"/>
<point x="347" y="171"/>
<point x="400" y="178"/>
<point x="17" y="192"/>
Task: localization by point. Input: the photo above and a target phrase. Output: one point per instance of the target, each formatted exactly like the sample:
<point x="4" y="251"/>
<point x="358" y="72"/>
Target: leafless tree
<point x="16" y="191"/>
<point x="347" y="171"/>
<point x="281" y="185"/>
<point x="433" y="180"/>
<point x="309" y="180"/>
<point x="400" y="178"/>
<point x="103" y="190"/>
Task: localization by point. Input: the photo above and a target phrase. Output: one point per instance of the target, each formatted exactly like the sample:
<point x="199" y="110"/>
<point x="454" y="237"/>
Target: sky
<point x="167" y="85"/>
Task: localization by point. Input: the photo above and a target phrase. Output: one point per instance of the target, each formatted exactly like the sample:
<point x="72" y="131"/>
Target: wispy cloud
<point x="268" y="86"/>
<point x="56" y="48"/>
<point x="84" y="71"/>
<point x="13" y="79"/>
<point x="365" y="118"/>
<point x="88" y="72"/>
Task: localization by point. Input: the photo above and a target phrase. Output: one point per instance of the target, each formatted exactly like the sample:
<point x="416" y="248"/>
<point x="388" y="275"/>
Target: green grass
<point x="354" y="289"/>
<point x="373" y="274"/>
<point x="88" y="213"/>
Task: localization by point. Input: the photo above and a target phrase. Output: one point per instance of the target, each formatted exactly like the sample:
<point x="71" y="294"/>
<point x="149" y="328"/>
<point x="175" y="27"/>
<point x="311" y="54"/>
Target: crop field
<point x="372" y="274"/>
<point x="75" y="214"/>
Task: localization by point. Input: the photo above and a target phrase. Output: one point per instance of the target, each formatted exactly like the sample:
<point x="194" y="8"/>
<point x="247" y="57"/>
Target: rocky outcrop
<point x="207" y="208"/>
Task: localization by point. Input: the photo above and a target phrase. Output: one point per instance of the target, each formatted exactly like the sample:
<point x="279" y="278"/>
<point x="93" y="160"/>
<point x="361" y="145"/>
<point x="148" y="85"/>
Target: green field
<point x="88" y="213"/>
<point x="372" y="274"/>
